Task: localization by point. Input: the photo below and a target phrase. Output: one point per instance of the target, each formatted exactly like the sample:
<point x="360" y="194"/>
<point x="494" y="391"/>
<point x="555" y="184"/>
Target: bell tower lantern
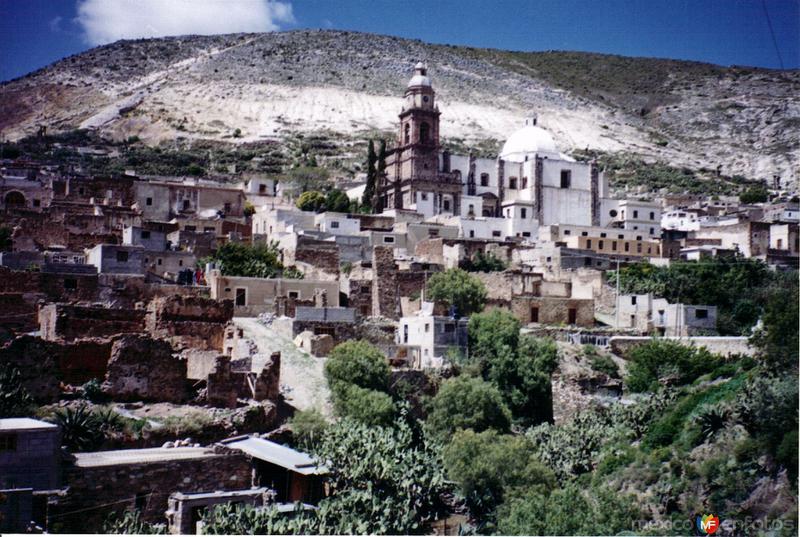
<point x="419" y="119"/>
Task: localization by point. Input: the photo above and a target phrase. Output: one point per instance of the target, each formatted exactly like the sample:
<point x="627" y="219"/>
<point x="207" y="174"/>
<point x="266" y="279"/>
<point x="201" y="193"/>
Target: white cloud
<point x="104" y="21"/>
<point x="55" y="24"/>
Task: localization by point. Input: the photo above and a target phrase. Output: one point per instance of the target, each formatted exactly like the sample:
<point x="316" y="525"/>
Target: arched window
<point x="15" y="199"/>
<point x="424" y="133"/>
<point x="407" y="134"/>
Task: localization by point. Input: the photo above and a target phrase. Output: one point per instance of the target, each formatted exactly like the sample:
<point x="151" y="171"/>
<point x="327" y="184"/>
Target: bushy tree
<point x="662" y="360"/>
<point x="467" y="403"/>
<point x="489" y="466"/>
<point x="358" y="376"/>
<point x="313" y="201"/>
<point x="519" y="367"/>
<point x="371" y="407"/>
<point x="359" y="363"/>
<point x="572" y="510"/>
<point x="754" y="194"/>
<point x="337" y="201"/>
<point x="254" y="261"/>
<point x="455" y="287"/>
<point x="777" y="339"/>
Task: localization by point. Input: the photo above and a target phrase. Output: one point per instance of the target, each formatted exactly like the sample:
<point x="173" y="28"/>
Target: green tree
<point x="777" y="339"/>
<point x="255" y="261"/>
<point x="572" y="510"/>
<point x="467" y="403"/>
<point x="249" y="209"/>
<point x="312" y="200"/>
<point x="337" y="201"/>
<point x="371" y="407"/>
<point x="369" y="188"/>
<point x="489" y="466"/>
<point x="754" y="194"/>
<point x="455" y="287"/>
<point x="131" y="523"/>
<point x="359" y="363"/>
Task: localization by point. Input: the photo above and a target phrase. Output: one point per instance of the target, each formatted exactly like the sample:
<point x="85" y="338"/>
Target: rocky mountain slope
<point x="252" y="87"/>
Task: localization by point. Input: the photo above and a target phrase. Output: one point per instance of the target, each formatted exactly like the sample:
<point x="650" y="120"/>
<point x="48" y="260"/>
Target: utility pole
<point x="616" y="309"/>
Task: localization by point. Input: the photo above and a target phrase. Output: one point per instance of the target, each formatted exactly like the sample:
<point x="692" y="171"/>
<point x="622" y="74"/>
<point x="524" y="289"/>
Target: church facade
<point x="530" y="184"/>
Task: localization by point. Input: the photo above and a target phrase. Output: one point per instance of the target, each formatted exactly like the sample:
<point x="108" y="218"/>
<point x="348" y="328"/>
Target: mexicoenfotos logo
<point x="707" y="524"/>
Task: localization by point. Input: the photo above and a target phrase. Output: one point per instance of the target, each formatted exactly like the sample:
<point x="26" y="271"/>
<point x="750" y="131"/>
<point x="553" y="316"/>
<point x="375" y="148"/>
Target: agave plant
<point x="14" y="399"/>
<point x="712" y="419"/>
<point x="81" y="430"/>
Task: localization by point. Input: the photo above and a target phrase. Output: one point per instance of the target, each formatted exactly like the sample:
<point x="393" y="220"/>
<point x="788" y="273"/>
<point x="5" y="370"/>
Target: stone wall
<point x="189" y="320"/>
<point x="96" y="492"/>
<point x="224" y="385"/>
<point x="384" y="284"/>
<point x="142" y="368"/>
<point x="553" y="310"/>
<point x="723" y="345"/>
<point x="68" y="322"/>
<point x="321" y="254"/>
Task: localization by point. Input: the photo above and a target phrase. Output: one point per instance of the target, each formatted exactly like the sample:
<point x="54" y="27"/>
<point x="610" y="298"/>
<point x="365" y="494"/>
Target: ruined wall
<point x="142" y="368"/>
<point x="553" y="310"/>
<point x="360" y="296"/>
<point x="36" y="360"/>
<point x="384" y="284"/>
<point x="224" y="385"/>
<point x="68" y="322"/>
<point x="190" y="320"/>
<point x="96" y="492"/>
<point x="322" y="255"/>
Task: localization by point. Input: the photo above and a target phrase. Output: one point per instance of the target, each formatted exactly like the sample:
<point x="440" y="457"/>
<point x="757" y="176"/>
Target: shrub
<point x="661" y="360"/>
<point x="359" y="363"/>
<point x="256" y="261"/>
<point x="312" y="200"/>
<point x="93" y="391"/>
<point x="605" y="364"/>
<point x="754" y="194"/>
<point x="131" y="523"/>
<point x="308" y="426"/>
<point x="488" y="466"/>
<point x="467" y="403"/>
<point x="787" y="455"/>
<point x="459" y="289"/>
<point x="362" y="404"/>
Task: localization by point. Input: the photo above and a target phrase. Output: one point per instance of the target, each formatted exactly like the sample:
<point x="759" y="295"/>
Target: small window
<point x="158" y="261"/>
<point x="262" y="189"/>
<point x="471" y="233"/>
<point x="424" y="196"/>
<point x="37" y="203"/>
<point x="334" y="225"/>
<point x="388" y="240"/>
<point x="495" y="233"/>
<point x="433" y="233"/>
<point x="70" y="283"/>
<point x="180" y="262"/>
<point x="484" y="179"/>
<point x="148" y="201"/>
<point x="603" y="235"/>
<point x="227" y="207"/>
<point x="446" y="205"/>
<point x="294" y="294"/>
<point x="584" y="233"/>
<point x="652" y="215"/>
<point x="638" y="237"/>
<point x="122" y="256"/>
<point x="567" y="232"/>
<point x="427" y="328"/>
<point x="526" y="233"/>
<point x="701" y="314"/>
<point x="589" y="243"/>
<point x="633" y="300"/>
<point x="620" y="236"/>
<point x="636" y="214"/>
<point x="145" y="234"/>
<point x="614" y="245"/>
<point x="512" y="183"/>
<point x="600" y="245"/>
<point x="627" y="246"/>
<point x="523" y="213"/>
<point x="186" y="205"/>
<point x="652" y="231"/>
<point x="566" y="178"/>
<point x="524" y="182"/>
<point x="612" y="213"/>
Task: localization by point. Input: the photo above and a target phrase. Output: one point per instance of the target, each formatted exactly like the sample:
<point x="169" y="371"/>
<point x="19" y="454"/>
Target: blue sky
<point x="34" y="33"/>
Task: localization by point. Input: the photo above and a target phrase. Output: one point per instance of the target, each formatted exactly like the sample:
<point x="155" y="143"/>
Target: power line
<point x="772" y="32"/>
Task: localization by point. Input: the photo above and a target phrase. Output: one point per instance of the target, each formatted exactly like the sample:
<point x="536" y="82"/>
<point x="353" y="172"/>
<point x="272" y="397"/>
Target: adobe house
<point x="293" y="475"/>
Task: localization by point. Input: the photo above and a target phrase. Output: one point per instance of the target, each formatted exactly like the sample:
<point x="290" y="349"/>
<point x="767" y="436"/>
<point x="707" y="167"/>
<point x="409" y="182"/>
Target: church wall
<point x="566" y="206"/>
<point x="581" y="175"/>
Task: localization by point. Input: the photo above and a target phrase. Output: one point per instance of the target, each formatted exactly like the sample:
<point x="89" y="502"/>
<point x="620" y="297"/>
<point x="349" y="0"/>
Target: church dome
<point x="420" y="77"/>
<point x="526" y="141"/>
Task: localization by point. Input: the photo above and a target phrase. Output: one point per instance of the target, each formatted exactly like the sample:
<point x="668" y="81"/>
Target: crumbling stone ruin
<point x="190" y="321"/>
<point x="143" y="368"/>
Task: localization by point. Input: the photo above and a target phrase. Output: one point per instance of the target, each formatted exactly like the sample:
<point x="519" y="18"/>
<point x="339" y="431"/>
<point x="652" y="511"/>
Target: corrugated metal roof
<point x="282" y="456"/>
<point x="140" y="456"/>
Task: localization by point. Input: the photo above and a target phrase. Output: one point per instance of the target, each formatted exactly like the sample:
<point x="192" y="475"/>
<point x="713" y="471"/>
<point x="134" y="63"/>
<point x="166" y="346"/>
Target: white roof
<point x="17" y="424"/>
<point x="140" y="456"/>
<point x="279" y="455"/>
<point x="528" y="140"/>
<point x="419" y="80"/>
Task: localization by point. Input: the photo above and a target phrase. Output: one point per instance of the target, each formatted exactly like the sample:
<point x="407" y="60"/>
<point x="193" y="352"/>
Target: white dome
<point x="419" y="80"/>
<point x="526" y="141"/>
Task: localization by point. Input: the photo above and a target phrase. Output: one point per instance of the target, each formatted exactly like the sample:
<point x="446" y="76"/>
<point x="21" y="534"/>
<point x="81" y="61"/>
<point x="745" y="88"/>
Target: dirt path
<point x="303" y="383"/>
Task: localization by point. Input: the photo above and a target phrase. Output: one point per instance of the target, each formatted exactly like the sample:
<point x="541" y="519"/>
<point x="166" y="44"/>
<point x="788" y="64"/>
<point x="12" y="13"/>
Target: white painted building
<point x="428" y="338"/>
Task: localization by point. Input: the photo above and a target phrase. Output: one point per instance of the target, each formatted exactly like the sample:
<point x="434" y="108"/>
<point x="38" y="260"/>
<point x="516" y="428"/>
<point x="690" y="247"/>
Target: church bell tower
<point x="419" y="126"/>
